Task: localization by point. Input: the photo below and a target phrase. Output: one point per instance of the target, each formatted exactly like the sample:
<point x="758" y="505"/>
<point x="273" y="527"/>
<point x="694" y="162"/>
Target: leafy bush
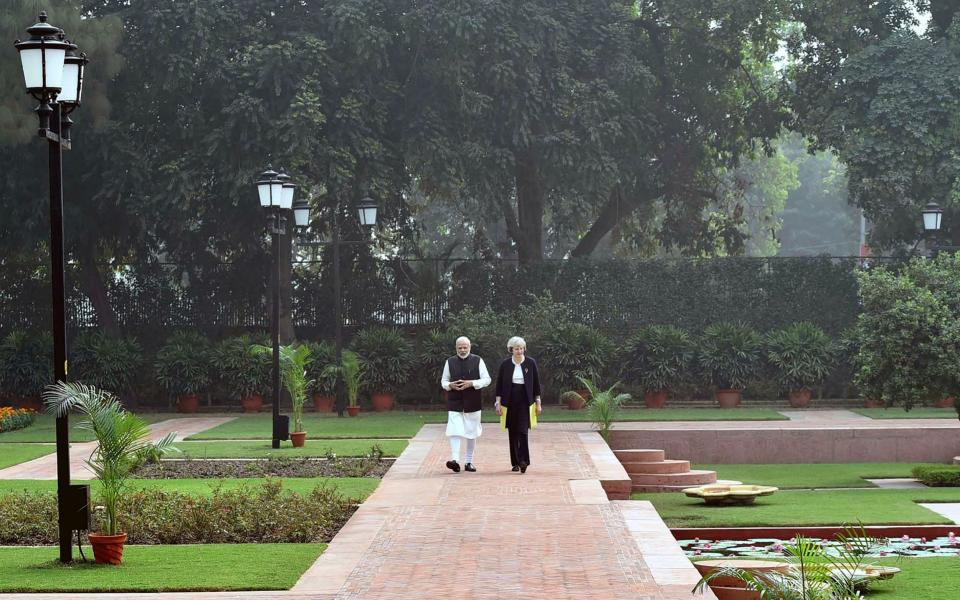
<point x="262" y="513"/>
<point x="387" y="358"/>
<point x="939" y="476"/>
<point x="106" y="363"/>
<point x="487" y="329"/>
<point x="15" y="418"/>
<point x="569" y="352"/>
<point x="802" y="355"/>
<point x="657" y="357"/>
<point x="603" y="406"/>
<point x="183" y="363"/>
<point x="26" y="363"/>
<point x="294" y="360"/>
<point x="729" y="354"/>
<point x="433" y="348"/>
<point x="323" y="381"/>
<point x="351" y="370"/>
<point x="242" y="373"/>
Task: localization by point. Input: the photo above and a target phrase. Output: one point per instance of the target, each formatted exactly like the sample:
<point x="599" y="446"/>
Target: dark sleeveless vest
<point x="468" y="368"/>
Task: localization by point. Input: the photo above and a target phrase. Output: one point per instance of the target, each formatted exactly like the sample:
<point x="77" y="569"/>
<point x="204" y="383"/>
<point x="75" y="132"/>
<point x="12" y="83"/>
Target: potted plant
<point x="603" y="406"/>
<point x="802" y="355"/>
<point x="26" y="366"/>
<point x="387" y="357"/>
<point x="729" y="357"/>
<point x="122" y="439"/>
<point x="351" y="370"/>
<point x="324" y="384"/>
<point x="657" y="357"/>
<point x="573" y="352"/>
<point x="574" y="400"/>
<point x="106" y="363"/>
<point x="244" y="376"/>
<point x="294" y="360"/>
<point x="183" y="368"/>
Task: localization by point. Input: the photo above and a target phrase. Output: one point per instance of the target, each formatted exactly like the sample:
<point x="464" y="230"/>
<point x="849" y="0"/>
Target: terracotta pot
<point x="800" y="398"/>
<point x="353" y="410"/>
<point x="188" y="403"/>
<point x="298" y="438"/>
<point x="574" y="403"/>
<point x="655" y="398"/>
<point x="252" y="403"/>
<point x="874" y="403"/>
<point x="382" y="401"/>
<point x="945" y="402"/>
<point x="323" y="403"/>
<point x="108" y="549"/>
<point x="728" y="398"/>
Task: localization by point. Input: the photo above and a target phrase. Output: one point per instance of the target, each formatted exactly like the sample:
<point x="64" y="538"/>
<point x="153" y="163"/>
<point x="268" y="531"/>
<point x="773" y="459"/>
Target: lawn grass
<point x="14" y="454"/>
<point x="926" y="578"/>
<point x="354" y="488"/>
<point x="897" y="412"/>
<point x="262" y="448"/>
<point x="805" y="476"/>
<point x="188" y="567"/>
<point x="405" y="424"/>
<point x="44" y="429"/>
<point x="807" y="507"/>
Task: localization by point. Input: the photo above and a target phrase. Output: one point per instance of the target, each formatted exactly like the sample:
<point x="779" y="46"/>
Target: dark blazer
<point x="531" y="379"/>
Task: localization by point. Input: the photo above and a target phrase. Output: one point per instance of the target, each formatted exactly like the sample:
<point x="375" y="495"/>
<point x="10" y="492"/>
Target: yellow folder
<point x="533" y="417"/>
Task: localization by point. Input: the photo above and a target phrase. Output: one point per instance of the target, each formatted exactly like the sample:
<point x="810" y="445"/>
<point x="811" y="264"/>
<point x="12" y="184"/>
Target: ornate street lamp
<point x="932" y="216"/>
<point x="367" y="211"/>
<point x="53" y="67"/>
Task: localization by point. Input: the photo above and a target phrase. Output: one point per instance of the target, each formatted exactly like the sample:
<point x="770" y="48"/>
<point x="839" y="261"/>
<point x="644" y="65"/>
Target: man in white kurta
<point x="464" y="375"/>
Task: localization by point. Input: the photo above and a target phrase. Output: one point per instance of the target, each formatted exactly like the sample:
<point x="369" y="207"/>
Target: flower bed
<point x="15" y="418"/>
<point x="272" y="467"/>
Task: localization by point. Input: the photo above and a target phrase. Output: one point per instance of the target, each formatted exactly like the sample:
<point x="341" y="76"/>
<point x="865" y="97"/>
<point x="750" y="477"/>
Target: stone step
<point x="688" y="479"/>
<point x="669" y="465"/>
<point x="656" y="489"/>
<point x="641" y="455"/>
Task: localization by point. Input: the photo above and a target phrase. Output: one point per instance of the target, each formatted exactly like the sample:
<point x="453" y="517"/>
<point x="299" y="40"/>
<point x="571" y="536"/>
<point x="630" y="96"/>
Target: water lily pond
<point x="774" y="548"/>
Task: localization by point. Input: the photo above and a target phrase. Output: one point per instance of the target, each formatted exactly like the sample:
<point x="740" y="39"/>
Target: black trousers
<point x="518" y="424"/>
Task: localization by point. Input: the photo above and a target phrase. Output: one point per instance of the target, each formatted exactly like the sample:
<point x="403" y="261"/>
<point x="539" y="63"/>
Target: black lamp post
<point x="53" y="74"/>
<point x="276" y="197"/>
<point x="932" y="219"/>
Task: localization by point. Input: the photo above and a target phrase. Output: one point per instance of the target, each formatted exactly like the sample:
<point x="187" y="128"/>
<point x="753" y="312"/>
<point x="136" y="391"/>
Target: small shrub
<point x="603" y="406"/>
<point x="940" y="476"/>
<point x="184" y="364"/>
<point x="242" y="373"/>
<point x="802" y="355"/>
<point x="26" y="363"/>
<point x="15" y="418"/>
<point x="386" y="356"/>
<point x="658" y="357"/>
<point x="106" y="363"/>
<point x="572" y="351"/>
<point x="324" y="380"/>
<point x="729" y="355"/>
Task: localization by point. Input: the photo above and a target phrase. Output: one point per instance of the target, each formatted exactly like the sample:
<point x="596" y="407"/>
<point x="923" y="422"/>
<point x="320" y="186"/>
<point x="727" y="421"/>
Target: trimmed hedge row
<point x="15" y="418"/>
<point x="945" y="476"/>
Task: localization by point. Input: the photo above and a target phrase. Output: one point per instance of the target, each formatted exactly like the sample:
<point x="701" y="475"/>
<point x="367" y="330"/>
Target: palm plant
<point x="351" y="369"/>
<point x="802" y="355"/>
<point x="812" y="571"/>
<point x="122" y="437"/>
<point x="729" y="354"/>
<point x="657" y="357"/>
<point x="294" y="360"/>
<point x="603" y="405"/>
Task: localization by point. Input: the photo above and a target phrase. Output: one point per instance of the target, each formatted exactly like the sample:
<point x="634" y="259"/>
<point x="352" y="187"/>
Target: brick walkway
<point x="45" y="467"/>
<point x="549" y="533"/>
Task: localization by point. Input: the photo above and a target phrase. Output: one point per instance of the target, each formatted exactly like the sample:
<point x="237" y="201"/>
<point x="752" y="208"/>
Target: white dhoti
<point x="465" y="425"/>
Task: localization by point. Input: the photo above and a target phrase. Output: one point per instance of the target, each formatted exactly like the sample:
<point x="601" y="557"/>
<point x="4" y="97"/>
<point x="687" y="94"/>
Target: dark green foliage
<point x="658" y="357"/>
<point x="572" y="351"/>
<point x="324" y="381"/>
<point x="184" y="363"/>
<point x="240" y="372"/>
<point x="386" y="357"/>
<point x="433" y="348"/>
<point x="941" y="476"/>
<point x="26" y="363"/>
<point x="113" y="365"/>
<point x="729" y="354"/>
<point x="802" y="355"/>
<point x="488" y="330"/>
<point x="13" y="419"/>
<point x="250" y="514"/>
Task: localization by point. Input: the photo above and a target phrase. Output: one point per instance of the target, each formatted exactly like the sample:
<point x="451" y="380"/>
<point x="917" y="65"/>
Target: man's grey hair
<point x="462" y="338"/>
<point x="516" y="341"/>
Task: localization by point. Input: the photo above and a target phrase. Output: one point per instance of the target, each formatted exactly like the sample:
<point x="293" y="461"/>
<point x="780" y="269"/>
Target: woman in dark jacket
<point x="518" y="387"/>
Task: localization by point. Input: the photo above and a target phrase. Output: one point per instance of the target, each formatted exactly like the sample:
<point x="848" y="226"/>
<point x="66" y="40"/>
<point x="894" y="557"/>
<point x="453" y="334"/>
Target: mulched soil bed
<point x="294" y="467"/>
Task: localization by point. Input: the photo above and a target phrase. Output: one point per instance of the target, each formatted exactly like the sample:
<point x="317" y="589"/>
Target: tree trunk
<point x="618" y="206"/>
<point x="287" y="335"/>
<point x="96" y="290"/>
<point x="531" y="194"/>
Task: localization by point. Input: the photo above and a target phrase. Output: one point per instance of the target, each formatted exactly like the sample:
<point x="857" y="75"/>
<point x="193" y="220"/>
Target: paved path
<point x="45" y="467"/>
<point x="948" y="510"/>
<point x="824" y="415"/>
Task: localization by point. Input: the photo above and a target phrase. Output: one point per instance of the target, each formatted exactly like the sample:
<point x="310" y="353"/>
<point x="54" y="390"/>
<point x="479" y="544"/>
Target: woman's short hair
<point x="515" y="341"/>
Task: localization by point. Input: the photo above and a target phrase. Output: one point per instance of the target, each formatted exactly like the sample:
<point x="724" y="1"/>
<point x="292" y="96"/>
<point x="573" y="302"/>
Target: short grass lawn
<point x="263" y="449"/>
<point x="14" y="454"/>
<point x="206" y="567"/>
<point x="405" y="424"/>
<point x="807" y="507"/>
<point x="812" y="475"/>
<point x="354" y="488"/>
<point x="897" y="412"/>
<point x="44" y="429"/>
<point x="927" y="578"/>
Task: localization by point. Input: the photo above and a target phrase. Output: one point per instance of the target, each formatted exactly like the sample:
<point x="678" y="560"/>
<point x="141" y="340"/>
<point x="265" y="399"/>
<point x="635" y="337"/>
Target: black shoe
<point x="523" y="467"/>
<point x="469" y="467"/>
<point x="515" y="468"/>
<point x="453" y="466"/>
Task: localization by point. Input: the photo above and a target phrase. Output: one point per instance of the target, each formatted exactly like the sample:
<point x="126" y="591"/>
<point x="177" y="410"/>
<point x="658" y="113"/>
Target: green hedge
<point x="945" y="476"/>
<point x="15" y="418"/>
